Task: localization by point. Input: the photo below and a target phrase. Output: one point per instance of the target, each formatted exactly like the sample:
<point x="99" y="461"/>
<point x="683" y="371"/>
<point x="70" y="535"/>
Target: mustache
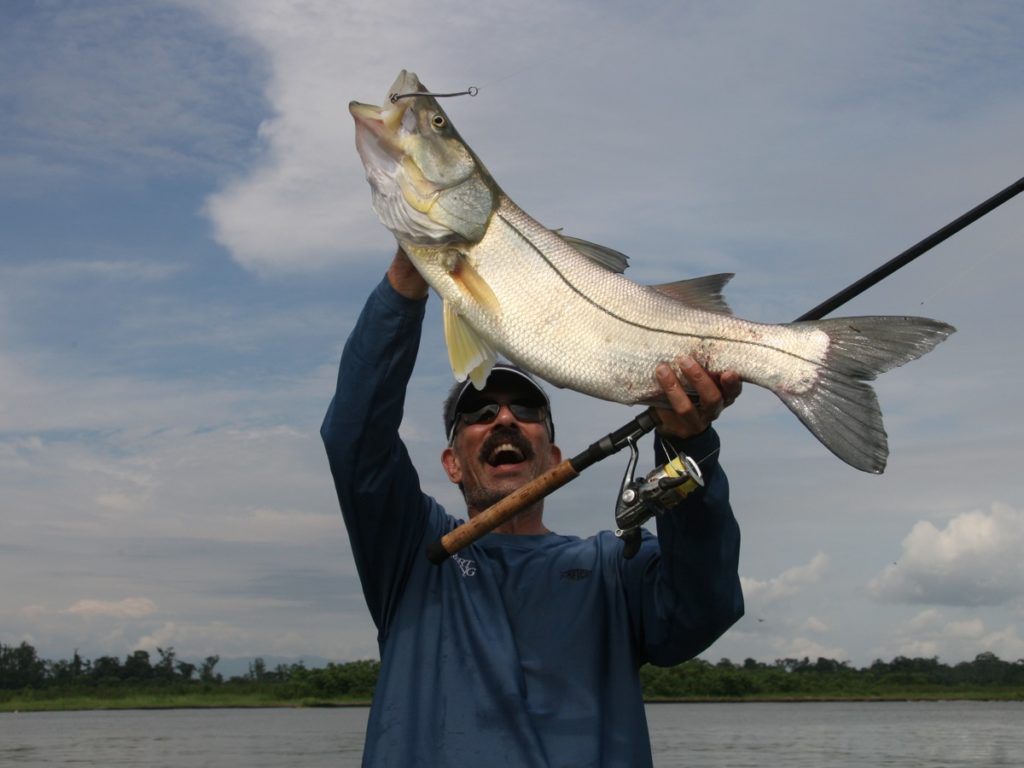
<point x="506" y="434"/>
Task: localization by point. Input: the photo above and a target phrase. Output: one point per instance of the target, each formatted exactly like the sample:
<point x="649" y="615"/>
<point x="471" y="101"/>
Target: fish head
<point x="428" y="186"/>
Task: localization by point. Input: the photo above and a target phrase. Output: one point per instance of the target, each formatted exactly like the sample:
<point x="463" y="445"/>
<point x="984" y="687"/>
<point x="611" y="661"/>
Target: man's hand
<point x="405" y="279"/>
<point x="715" y="392"/>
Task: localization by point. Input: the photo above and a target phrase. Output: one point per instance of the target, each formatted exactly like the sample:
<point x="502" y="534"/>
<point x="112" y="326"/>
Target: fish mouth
<point x="379" y="144"/>
<point x="378" y="124"/>
<point x="379" y="130"/>
<point x="384" y="122"/>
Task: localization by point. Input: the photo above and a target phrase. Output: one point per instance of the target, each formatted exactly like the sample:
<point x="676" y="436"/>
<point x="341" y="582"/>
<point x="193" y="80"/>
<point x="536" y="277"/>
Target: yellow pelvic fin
<point x="468" y="354"/>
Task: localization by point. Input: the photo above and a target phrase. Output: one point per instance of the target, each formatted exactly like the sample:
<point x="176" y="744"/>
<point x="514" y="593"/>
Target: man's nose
<point x="505" y="416"/>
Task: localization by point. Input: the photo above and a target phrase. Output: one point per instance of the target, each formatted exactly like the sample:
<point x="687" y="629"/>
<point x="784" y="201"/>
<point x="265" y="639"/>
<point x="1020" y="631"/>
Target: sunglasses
<point x="486" y="414"/>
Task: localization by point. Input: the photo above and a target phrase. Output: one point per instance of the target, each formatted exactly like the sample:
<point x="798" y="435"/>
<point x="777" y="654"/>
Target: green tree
<point x="106" y="669"/>
<point x="164" y="668"/>
<point x="21" y="667"/>
<point x="206" y="670"/>
<point x="185" y="670"/>
<point x="137" y="666"/>
<point x="257" y="669"/>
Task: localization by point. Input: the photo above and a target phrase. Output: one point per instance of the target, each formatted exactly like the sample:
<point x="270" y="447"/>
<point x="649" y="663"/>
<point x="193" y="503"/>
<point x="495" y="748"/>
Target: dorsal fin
<point x="609" y="258"/>
<point x="699" y="292"/>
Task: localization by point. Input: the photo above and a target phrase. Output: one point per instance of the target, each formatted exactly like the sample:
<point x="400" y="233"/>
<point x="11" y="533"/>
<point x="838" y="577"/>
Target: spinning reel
<point x="660" y="490"/>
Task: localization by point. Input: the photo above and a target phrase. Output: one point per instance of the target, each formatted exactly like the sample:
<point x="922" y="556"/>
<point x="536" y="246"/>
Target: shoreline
<point x="16" y="705"/>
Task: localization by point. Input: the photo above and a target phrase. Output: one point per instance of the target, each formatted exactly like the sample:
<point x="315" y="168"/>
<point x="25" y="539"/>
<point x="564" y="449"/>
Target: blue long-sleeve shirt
<point x="521" y="650"/>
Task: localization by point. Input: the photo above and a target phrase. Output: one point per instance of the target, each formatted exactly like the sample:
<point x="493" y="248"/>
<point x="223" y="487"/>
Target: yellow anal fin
<point x="468" y="354"/>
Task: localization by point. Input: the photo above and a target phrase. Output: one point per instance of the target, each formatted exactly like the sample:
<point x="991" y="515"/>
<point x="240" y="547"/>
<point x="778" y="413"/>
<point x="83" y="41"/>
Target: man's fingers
<point x="710" y="400"/>
<point x="732" y="386"/>
<point x="677" y="396"/>
<point x="696" y="398"/>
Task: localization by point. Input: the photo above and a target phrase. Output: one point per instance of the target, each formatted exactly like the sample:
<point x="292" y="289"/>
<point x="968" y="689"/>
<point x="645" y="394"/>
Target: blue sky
<point x="186" y="237"/>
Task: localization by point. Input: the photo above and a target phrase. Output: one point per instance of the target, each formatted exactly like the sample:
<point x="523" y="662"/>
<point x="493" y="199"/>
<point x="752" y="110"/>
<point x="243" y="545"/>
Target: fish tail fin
<point x="841" y="409"/>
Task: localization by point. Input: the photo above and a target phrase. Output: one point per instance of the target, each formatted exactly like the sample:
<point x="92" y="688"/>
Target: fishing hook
<point x="471" y="91"/>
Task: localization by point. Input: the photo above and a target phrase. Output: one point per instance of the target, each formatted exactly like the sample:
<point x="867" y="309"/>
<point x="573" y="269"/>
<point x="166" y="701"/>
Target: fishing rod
<point x="870" y="279"/>
<point x="640" y="500"/>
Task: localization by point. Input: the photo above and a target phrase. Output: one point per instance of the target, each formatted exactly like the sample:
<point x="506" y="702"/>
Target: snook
<point x="558" y="306"/>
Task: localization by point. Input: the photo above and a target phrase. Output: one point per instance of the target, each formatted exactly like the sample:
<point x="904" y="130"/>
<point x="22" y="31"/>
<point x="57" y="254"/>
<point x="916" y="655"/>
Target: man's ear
<point x="451" y="465"/>
<point x="556" y="455"/>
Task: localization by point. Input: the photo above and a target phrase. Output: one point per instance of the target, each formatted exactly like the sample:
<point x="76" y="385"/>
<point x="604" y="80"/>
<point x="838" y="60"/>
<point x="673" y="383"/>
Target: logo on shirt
<point x="576" y="574"/>
<point x="467" y="566"/>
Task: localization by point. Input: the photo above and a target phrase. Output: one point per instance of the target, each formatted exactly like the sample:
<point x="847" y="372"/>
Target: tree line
<point x="827" y="678"/>
<point x="21" y="669"/>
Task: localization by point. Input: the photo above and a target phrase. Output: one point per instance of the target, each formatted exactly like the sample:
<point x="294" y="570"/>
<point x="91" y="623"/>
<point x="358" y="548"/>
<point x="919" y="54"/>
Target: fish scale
<point x="564" y="331"/>
<point x="553" y="306"/>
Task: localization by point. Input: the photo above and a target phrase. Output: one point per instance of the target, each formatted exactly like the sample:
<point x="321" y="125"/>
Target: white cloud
<point x="974" y="560"/>
<point x="191" y="639"/>
<point x="225" y="639"/>
<point x="963" y="636"/>
<point x="814" y="624"/>
<point x="304" y="203"/>
<point x="786" y="585"/>
<point x="78" y="269"/>
<point x="542" y="118"/>
<point x="801" y="647"/>
<point x="1005" y="643"/>
<point x="126" y="608"/>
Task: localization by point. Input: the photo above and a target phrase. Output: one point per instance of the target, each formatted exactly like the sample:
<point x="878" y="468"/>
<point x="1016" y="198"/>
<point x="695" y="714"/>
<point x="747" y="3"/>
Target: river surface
<point x="811" y="735"/>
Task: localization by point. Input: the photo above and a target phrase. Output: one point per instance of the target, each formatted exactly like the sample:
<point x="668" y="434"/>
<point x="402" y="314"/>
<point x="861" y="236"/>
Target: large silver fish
<point x="558" y="306"/>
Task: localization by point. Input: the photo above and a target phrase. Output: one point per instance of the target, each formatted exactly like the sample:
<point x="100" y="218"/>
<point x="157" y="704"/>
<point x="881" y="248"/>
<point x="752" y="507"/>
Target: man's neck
<point x="529" y="522"/>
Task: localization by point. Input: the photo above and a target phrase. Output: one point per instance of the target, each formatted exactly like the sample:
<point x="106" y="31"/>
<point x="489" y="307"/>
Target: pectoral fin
<point x="468" y="354"/>
<point x="472" y="284"/>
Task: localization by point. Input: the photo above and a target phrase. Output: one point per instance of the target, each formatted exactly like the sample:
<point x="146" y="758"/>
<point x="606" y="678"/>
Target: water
<point x="840" y="735"/>
<point x="837" y="735"/>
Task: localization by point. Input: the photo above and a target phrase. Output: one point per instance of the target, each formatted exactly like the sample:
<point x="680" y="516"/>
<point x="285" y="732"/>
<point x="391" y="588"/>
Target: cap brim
<point x="501" y="378"/>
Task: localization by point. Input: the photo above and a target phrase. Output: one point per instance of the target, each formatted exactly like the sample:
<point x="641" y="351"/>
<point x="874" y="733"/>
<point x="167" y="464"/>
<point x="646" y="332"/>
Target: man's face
<point x="493" y="458"/>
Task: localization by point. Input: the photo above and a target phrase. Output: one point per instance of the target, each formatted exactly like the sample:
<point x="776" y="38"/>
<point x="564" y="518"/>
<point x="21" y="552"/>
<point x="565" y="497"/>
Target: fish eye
<point x="438" y="122"/>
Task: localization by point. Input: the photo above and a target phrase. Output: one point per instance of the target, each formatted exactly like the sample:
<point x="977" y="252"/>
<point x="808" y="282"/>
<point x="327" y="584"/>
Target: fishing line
<point x="701" y="461"/>
<point x="537" y="61"/>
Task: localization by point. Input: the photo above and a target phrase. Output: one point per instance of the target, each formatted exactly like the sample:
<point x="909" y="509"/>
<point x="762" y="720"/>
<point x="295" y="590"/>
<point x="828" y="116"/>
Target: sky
<point x="186" y="238"/>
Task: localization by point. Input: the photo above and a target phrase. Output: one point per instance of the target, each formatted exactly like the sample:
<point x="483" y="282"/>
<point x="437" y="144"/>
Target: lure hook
<point x="471" y="91"/>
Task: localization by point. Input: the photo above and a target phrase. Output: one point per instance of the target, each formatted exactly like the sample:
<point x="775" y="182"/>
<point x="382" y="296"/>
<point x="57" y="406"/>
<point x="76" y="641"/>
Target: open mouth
<point x="506" y="453"/>
<point x="384" y="121"/>
<point x="505" y="447"/>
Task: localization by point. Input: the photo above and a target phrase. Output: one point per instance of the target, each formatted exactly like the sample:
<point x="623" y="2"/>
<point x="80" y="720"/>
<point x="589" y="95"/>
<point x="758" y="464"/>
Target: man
<point x="524" y="648"/>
